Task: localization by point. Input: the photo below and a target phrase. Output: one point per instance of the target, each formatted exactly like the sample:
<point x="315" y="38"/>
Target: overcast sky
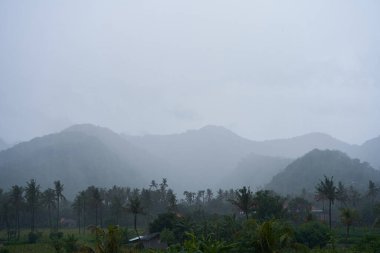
<point x="264" y="69"/>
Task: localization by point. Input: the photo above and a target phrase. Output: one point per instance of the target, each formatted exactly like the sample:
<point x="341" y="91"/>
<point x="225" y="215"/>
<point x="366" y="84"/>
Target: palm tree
<point x="372" y="191"/>
<point x="59" y="196"/>
<point x="16" y="199"/>
<point x="244" y="200"/>
<point x="347" y="216"/>
<point x="77" y="207"/>
<point x="48" y="200"/>
<point x="135" y="208"/>
<point x="96" y="201"/>
<point x="152" y="185"/>
<point x="32" y="195"/>
<point x="327" y="189"/>
<point x="341" y="193"/>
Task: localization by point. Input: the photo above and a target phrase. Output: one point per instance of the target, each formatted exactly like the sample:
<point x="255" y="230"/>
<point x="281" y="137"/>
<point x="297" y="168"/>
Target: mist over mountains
<point x="209" y="157"/>
<point x="3" y="145"/>
<point x="305" y="172"/>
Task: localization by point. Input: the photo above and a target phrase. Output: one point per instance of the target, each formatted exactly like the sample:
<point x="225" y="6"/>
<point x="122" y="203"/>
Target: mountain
<point x="3" y="145"/>
<point x="212" y="154"/>
<point x="78" y="156"/>
<point x="369" y="152"/>
<point x="300" y="145"/>
<point x="306" y="171"/>
<point x="203" y="157"/>
<point x="255" y="171"/>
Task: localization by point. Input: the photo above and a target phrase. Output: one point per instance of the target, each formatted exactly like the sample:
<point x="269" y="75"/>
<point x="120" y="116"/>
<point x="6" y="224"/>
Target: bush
<point x="167" y="236"/>
<point x="313" y="234"/>
<point x="369" y="243"/>
<point x="164" y="220"/>
<point x="56" y="235"/>
<point x="34" y="236"/>
<point x="70" y="243"/>
<point x="4" y="250"/>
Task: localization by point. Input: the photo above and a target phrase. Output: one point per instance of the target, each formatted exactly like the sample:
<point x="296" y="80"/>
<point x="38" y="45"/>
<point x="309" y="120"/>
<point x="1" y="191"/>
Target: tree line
<point x="30" y="206"/>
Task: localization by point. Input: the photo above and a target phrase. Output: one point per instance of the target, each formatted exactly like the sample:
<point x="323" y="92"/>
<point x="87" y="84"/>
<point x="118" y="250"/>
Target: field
<point x="45" y="244"/>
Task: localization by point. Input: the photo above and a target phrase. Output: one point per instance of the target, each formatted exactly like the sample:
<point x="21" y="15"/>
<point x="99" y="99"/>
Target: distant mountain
<point x="78" y="156"/>
<point x="3" y="145"/>
<point x="369" y="152"/>
<point x="255" y="171"/>
<point x="305" y="172"/>
<point x="203" y="157"/>
<point x="298" y="146"/>
<point x="210" y="154"/>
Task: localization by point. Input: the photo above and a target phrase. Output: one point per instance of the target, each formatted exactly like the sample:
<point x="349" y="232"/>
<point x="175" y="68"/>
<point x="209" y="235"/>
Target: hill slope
<point x="305" y="172"/>
<point x="255" y="171"/>
<point x="78" y="156"/>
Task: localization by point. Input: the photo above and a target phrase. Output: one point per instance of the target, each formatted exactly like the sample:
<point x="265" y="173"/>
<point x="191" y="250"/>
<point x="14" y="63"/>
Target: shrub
<point x="33" y="237"/>
<point x="4" y="250"/>
<point x="313" y="234"/>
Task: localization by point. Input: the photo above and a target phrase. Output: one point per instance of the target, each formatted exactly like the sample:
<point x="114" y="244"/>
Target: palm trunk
<point x="58" y="214"/>
<point x="135" y="224"/>
<point x="18" y="225"/>
<point x="50" y="223"/>
<point x="84" y="217"/>
<point x="32" y="225"/>
<point x="330" y="202"/>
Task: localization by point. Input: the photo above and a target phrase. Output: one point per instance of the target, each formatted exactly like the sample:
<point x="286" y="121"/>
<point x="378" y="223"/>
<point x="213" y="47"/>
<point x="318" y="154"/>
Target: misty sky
<point x="264" y="69"/>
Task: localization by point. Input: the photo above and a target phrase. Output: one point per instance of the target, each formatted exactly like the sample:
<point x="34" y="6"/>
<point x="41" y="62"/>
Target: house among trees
<point x="151" y="241"/>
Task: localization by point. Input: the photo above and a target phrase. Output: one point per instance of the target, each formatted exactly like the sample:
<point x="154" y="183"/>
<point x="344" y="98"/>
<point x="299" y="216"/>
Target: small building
<point x="68" y="223"/>
<point x="151" y="241"/>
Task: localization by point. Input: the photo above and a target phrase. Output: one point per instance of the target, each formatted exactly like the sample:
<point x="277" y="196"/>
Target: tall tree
<point x="347" y="216"/>
<point x="135" y="208"/>
<point x="341" y="193"/>
<point x="327" y="189"/>
<point x="244" y="200"/>
<point x="58" y="187"/>
<point x="48" y="200"/>
<point x="372" y="191"/>
<point x="32" y="195"/>
<point x="77" y="207"/>
<point x="17" y="199"/>
<point x="96" y="202"/>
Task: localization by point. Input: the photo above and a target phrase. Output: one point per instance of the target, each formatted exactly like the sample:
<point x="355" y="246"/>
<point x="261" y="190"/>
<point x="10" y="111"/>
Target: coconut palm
<point x="135" y="208"/>
<point x="244" y="200"/>
<point x="59" y="196"/>
<point x="17" y="199"/>
<point x="32" y="195"/>
<point x="327" y="189"/>
<point x="372" y="191"/>
<point x="48" y="200"/>
<point x="348" y="216"/>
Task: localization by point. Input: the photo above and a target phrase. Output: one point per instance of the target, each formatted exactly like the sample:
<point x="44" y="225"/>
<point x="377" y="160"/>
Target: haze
<point x="264" y="69"/>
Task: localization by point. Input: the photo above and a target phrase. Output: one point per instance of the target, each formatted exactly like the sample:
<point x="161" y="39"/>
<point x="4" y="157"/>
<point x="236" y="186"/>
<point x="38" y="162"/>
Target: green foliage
<point x="34" y="236"/>
<point x="4" y="250"/>
<point x="244" y="200"/>
<point x="168" y="236"/>
<point x="369" y="243"/>
<point x="313" y="234"/>
<point x="163" y="221"/>
<point x="108" y="241"/>
<point x="71" y="243"/>
<point x="268" y="205"/>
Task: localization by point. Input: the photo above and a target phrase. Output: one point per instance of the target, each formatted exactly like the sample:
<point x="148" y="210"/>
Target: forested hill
<point x="78" y="159"/>
<point x="305" y="172"/>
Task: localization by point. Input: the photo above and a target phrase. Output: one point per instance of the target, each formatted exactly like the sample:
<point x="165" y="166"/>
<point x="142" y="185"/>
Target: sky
<point x="263" y="69"/>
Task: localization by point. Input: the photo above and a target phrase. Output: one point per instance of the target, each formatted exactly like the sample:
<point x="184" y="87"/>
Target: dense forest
<point x="233" y="220"/>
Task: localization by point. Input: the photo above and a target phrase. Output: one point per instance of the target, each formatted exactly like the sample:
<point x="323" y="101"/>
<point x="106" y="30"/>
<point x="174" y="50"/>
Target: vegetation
<point x="227" y="221"/>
